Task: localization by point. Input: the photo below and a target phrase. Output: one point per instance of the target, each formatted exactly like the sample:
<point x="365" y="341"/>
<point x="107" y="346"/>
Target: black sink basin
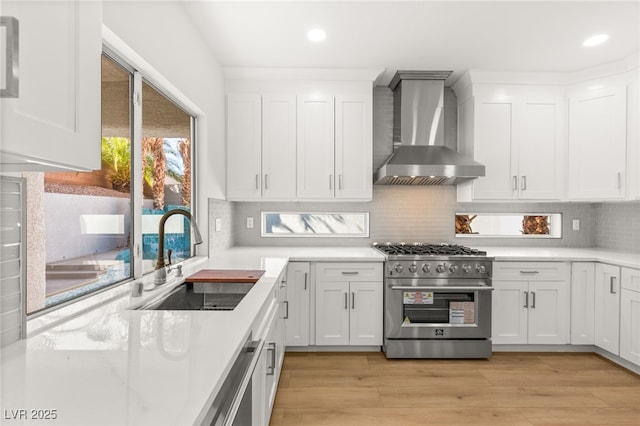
<point x="184" y="298"/>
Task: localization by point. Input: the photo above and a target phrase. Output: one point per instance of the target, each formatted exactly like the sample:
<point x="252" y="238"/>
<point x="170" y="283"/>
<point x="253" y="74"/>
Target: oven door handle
<point x="441" y="288"/>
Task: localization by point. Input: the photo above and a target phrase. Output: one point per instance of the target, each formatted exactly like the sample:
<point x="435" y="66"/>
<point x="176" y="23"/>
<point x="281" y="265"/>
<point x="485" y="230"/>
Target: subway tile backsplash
<point x="618" y="226"/>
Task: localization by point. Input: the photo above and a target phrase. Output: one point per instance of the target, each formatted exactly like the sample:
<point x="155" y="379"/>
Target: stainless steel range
<point x="437" y="301"/>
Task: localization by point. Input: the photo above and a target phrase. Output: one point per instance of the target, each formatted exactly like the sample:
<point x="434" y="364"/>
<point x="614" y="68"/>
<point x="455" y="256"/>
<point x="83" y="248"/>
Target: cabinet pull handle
<point x="349" y="272"/>
<point x="305" y="280"/>
<point x="526" y="299"/>
<point x="353" y="300"/>
<point x="12" y="64"/>
<point x="266" y="181"/>
<point x="340" y="181"/>
<point x="272" y="364"/>
<point x="524" y="183"/>
<point x="286" y="315"/>
<point x="346" y="300"/>
<point x="330" y="183"/>
<point x="514" y="185"/>
<point x="612" y="288"/>
<point x="619" y="180"/>
<point x="257" y="182"/>
<point x="529" y="272"/>
<point x="533" y="299"/>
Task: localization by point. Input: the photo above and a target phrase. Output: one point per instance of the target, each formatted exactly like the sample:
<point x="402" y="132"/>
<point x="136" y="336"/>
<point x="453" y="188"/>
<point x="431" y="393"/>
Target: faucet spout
<point x="161" y="273"/>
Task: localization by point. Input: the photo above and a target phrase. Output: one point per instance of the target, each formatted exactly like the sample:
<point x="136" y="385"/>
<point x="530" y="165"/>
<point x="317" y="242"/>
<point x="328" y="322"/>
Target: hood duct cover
<point x="420" y="156"/>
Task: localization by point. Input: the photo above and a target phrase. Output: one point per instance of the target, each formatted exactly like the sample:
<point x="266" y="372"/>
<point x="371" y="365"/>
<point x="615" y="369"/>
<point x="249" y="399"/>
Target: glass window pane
<point x="86" y="235"/>
<point x="166" y="163"/>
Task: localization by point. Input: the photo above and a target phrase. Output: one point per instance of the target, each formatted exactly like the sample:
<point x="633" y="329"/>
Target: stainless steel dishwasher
<point x="233" y="404"/>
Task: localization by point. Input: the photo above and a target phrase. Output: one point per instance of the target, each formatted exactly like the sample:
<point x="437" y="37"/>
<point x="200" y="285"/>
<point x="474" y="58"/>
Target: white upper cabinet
<point x="316" y="178"/>
<point x="278" y="146"/>
<point x="261" y="146"/>
<point x="598" y="144"/>
<point x="244" y="146"/>
<point x="54" y="122"/>
<point x="520" y="140"/>
<point x="291" y="147"/>
<point x="353" y="147"/>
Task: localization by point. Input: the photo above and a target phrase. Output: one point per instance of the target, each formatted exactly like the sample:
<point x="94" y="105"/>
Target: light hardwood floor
<point x="509" y="389"/>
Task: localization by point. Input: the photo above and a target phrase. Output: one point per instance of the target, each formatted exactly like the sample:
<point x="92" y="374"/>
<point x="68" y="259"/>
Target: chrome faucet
<point x="160" y="275"/>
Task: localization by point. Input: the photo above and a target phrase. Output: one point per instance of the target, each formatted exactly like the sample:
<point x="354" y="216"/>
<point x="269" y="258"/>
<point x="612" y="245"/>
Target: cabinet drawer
<point x="349" y="271"/>
<point x="630" y="279"/>
<point x="531" y="271"/>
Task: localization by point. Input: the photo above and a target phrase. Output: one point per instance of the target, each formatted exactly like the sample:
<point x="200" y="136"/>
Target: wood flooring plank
<point x="324" y="361"/>
<point x="584" y="416"/>
<point x="386" y="378"/>
<point x="492" y="396"/>
<point x="571" y="377"/>
<point x="328" y="397"/>
<point x="618" y="396"/>
<point x="404" y="417"/>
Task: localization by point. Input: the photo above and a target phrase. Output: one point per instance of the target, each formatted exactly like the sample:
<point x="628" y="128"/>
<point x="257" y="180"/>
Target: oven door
<point x="437" y="309"/>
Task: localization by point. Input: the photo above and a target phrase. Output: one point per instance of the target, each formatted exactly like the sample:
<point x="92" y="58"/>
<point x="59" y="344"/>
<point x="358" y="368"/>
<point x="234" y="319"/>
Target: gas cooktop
<point x="427" y="249"/>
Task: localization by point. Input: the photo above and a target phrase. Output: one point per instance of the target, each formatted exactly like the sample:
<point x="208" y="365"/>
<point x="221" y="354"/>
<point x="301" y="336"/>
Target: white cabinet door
<point x="278" y="146"/>
<point x="540" y="141"/>
<point x="630" y="315"/>
<point x="607" y="307"/>
<point x="597" y="144"/>
<point x="548" y="312"/>
<point x="509" y="312"/>
<point x="630" y="326"/>
<point x="493" y="135"/>
<point x="365" y="326"/>
<point x="297" y="320"/>
<point x="582" y="303"/>
<point x="56" y="116"/>
<point x="244" y="128"/>
<point x="332" y="313"/>
<point x="315" y="147"/>
<point x="353" y="147"/>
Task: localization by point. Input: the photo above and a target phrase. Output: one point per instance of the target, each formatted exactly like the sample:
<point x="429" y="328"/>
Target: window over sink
<point x="98" y="229"/>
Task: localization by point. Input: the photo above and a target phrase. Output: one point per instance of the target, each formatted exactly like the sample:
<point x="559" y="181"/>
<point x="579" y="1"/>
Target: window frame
<point x="135" y="101"/>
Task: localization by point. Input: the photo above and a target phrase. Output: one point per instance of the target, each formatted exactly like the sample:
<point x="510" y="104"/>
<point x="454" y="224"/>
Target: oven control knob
<point x="413" y="268"/>
<point x="426" y="268"/>
<point x="453" y="269"/>
<point x="441" y="268"/>
<point x="399" y="268"/>
<point x="466" y="268"/>
<point x="480" y="269"/>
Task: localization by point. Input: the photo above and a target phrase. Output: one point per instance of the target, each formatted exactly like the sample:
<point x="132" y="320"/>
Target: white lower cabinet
<point x="582" y="303"/>
<point x="607" y="307"/>
<point x="530" y="303"/>
<point x="630" y="315"/>
<point x="264" y="380"/>
<point x="297" y="304"/>
<point x="348" y="305"/>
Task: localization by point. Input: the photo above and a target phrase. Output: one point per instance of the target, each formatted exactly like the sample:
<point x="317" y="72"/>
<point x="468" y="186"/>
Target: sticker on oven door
<point x="462" y="312"/>
<point x="418" y="298"/>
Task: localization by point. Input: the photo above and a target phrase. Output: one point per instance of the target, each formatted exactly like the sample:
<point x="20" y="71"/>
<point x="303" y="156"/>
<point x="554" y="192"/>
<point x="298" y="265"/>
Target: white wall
<point x="161" y="33"/>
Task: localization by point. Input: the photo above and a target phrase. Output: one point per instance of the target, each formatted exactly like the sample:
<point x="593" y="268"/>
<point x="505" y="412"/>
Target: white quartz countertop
<point x="113" y="365"/>
<point x="550" y="254"/>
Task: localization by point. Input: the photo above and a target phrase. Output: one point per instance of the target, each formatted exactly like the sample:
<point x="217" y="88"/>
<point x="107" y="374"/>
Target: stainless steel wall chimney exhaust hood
<point x="419" y="154"/>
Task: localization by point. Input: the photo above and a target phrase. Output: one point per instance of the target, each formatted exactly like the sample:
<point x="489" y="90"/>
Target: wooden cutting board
<point x="225" y="276"/>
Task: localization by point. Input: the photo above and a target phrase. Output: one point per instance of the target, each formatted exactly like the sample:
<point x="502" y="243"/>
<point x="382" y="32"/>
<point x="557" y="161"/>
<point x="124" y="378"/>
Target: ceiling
<point x="430" y="35"/>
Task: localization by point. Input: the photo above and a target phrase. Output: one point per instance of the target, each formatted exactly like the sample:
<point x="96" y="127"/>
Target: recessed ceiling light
<point x="595" y="40"/>
<point x="316" y="34"/>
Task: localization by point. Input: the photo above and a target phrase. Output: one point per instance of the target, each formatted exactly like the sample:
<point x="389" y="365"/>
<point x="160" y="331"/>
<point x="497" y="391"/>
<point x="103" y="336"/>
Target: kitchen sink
<point x="200" y="296"/>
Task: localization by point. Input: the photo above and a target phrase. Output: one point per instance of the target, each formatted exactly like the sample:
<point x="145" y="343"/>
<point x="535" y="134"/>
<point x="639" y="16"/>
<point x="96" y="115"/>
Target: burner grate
<point x="423" y="249"/>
